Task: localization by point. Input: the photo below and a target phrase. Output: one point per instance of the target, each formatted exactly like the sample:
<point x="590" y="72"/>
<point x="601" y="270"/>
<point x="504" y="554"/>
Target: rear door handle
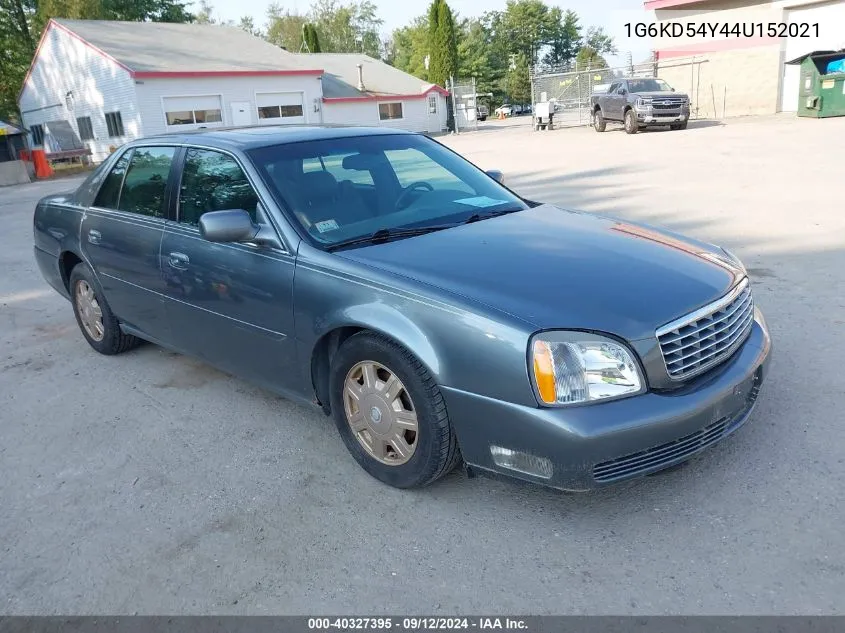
<point x="179" y="260"/>
<point x="94" y="237"/>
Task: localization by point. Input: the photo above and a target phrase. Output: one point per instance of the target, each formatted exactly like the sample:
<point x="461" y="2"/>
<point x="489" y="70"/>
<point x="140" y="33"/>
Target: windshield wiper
<point x="475" y="217"/>
<point x="384" y="235"/>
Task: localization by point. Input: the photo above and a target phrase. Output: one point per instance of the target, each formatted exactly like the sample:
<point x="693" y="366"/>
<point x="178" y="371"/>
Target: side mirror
<point x="231" y="225"/>
<point x="623" y="92"/>
<point x="672" y="89"/>
<point x="496" y="175"/>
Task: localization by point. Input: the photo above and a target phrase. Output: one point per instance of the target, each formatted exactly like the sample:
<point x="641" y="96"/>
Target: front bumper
<point x="662" y="117"/>
<point x="594" y="445"/>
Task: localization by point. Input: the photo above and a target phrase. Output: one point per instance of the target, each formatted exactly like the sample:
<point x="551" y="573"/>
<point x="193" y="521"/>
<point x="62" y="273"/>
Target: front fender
<point x="463" y="346"/>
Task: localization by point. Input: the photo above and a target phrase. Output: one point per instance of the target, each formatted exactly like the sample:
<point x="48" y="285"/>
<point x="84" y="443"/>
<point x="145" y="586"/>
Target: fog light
<point x="522" y="462"/>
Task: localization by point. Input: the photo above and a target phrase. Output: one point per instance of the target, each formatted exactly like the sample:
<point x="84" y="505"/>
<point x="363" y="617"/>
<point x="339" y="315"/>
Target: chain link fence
<point x="466" y="106"/>
<point x="569" y="88"/>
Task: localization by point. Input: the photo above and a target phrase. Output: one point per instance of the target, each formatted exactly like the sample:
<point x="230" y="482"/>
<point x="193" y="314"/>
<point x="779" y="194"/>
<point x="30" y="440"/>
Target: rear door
<point x="121" y="236"/>
<point x="228" y="303"/>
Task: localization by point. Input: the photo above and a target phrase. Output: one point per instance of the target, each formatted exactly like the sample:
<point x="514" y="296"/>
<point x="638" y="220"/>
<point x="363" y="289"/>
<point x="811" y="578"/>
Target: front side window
<point x="107" y="197"/>
<point x="213" y="181"/>
<point x="416" y="182"/>
<point x="114" y="124"/>
<point x="389" y="111"/>
<point x="146" y="181"/>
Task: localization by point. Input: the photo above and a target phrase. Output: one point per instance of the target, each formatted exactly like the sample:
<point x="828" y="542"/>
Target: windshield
<point x="648" y="85"/>
<point x="345" y="188"/>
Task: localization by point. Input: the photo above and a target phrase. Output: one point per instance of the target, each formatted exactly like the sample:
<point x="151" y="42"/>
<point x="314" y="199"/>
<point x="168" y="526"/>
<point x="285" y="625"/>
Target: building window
<point x="279" y="112"/>
<point x="432" y="104"/>
<point x="114" y="123"/>
<point x="190" y="117"/>
<point x="86" y="130"/>
<point x="37" y="132"/>
<point x="388" y="111"/>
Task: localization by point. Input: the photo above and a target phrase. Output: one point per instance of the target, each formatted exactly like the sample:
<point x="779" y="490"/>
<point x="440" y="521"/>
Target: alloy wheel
<point x="90" y="312"/>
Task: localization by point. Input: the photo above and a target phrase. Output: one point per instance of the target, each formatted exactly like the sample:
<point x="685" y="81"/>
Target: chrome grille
<point x="698" y="341"/>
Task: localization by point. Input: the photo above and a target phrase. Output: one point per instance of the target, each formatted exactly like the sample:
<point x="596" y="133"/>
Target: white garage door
<point x="830" y="17"/>
<point x="192" y="112"/>
<point x="280" y="107"/>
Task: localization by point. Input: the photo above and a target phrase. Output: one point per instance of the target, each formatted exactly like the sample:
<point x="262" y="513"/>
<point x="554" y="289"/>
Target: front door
<point x="241" y="113"/>
<point x="121" y="236"/>
<point x="228" y="303"/>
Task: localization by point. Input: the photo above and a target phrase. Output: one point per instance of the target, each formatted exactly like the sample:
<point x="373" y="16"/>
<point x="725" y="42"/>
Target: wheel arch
<point x="383" y="322"/>
<point x="68" y="260"/>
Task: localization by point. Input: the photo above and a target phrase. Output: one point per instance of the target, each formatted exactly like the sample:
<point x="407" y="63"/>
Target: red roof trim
<point x="183" y="74"/>
<point x="51" y="23"/>
<point x="419" y="95"/>
<point x="650" y="5"/>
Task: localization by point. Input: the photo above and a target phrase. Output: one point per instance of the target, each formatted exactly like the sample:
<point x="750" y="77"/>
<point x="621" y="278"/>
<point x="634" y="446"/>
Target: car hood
<point x="555" y="268"/>
<point x="661" y="93"/>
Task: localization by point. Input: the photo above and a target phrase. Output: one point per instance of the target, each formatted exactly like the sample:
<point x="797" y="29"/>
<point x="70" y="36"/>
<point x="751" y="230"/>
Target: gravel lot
<point x="151" y="483"/>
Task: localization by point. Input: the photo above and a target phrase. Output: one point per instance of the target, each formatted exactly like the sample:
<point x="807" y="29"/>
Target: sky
<point x="610" y="14"/>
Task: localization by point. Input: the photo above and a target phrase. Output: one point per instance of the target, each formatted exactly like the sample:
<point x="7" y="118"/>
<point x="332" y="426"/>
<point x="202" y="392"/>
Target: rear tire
<point x="98" y="324"/>
<point x="631" y="125"/>
<point x="367" y="368"/>
<point x="598" y="121"/>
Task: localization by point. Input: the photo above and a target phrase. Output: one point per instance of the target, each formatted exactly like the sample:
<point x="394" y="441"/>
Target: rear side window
<point x="213" y="181"/>
<point x="110" y="191"/>
<point x="146" y="181"/>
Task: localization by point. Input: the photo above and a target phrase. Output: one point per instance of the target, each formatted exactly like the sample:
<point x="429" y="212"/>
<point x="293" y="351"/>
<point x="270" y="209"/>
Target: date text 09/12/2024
<point x="415" y="623"/>
<point x="722" y="29"/>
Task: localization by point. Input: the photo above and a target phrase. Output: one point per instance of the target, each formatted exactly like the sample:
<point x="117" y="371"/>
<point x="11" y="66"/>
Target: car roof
<point x="255" y="136"/>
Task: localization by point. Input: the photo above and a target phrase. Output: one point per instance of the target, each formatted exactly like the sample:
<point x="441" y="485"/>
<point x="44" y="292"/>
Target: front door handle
<point x="94" y="236"/>
<point x="179" y="260"/>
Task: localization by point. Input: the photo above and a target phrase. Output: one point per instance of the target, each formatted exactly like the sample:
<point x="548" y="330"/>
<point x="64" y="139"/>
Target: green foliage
<point x="564" y="38"/>
<point x="409" y="46"/>
<point x="518" y="84"/>
<point x="347" y="28"/>
<point x="312" y="41"/>
<point x="284" y="29"/>
<point x="588" y="57"/>
<point x="442" y="43"/>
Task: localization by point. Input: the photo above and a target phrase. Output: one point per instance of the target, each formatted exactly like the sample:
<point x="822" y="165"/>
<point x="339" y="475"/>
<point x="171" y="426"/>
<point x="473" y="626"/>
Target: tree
<point x="410" y="46"/>
<point x="284" y="29"/>
<point x="588" y="57"/>
<point x="526" y="26"/>
<point x="247" y="24"/>
<point x="477" y="58"/>
<point x="347" y="28"/>
<point x="599" y="41"/>
<point x="309" y="36"/>
<point x="442" y="43"/>
<point x="517" y="82"/>
<point x="564" y="40"/>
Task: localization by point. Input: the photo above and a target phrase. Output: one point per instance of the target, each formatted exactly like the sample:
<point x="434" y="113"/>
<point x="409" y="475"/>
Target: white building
<point x="116" y="81"/>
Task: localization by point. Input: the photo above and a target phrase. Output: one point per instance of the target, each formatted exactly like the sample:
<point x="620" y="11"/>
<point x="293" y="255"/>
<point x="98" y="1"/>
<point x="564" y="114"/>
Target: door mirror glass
<point x="231" y="225"/>
<point x="496" y="175"/>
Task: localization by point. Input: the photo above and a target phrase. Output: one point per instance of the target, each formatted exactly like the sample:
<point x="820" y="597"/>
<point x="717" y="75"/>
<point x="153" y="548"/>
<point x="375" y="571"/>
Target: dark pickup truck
<point x="639" y="103"/>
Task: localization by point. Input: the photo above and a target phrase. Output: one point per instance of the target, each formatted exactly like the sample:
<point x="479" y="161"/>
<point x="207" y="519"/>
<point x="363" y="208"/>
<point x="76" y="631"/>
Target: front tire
<point x="390" y="413"/>
<point x="598" y="121"/>
<point x="679" y="126"/>
<point x="94" y="316"/>
<point x="631" y="125"/>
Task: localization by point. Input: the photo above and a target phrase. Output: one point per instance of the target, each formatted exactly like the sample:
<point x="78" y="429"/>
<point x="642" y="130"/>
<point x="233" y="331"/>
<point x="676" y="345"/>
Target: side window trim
<point x="262" y="206"/>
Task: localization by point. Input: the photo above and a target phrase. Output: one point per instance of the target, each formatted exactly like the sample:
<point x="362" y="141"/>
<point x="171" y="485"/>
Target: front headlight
<point x="578" y="367"/>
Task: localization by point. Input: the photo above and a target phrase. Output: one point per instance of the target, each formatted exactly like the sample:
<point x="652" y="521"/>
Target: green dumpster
<point x="822" y="89"/>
